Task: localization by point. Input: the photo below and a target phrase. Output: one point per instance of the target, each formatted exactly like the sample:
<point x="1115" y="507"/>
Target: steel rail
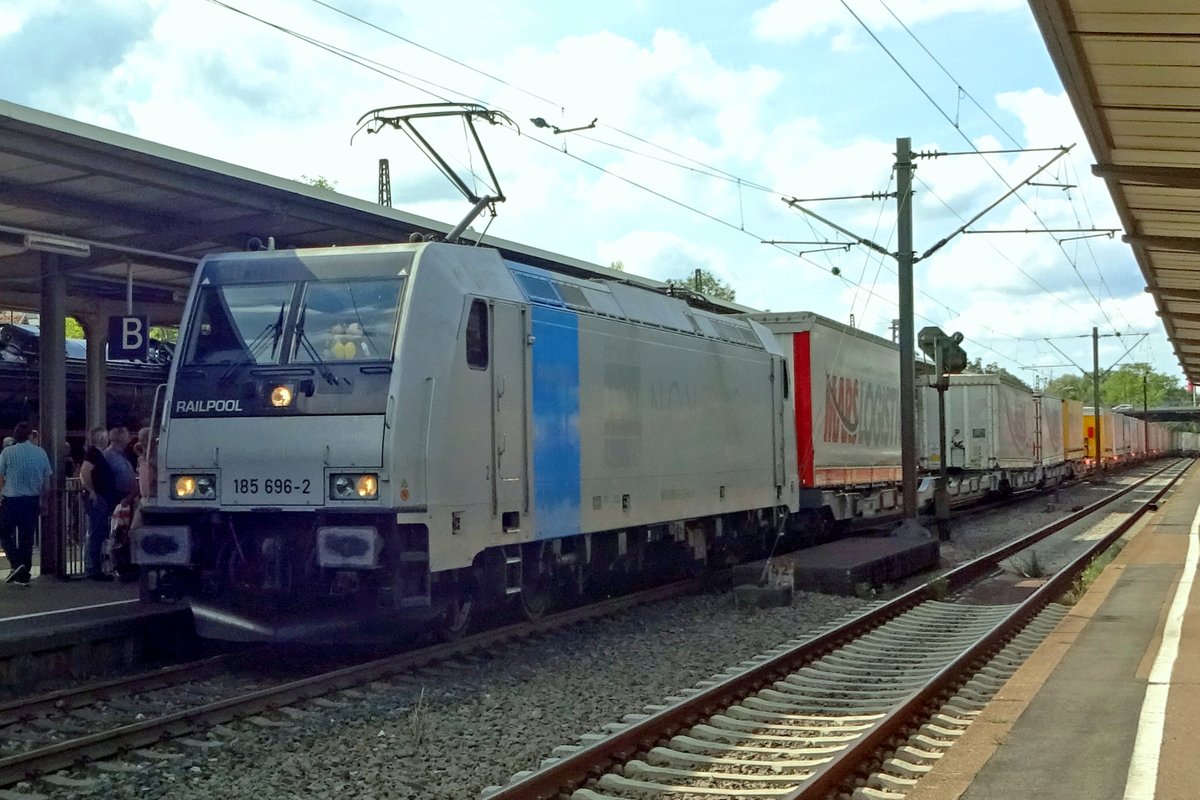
<point x="21" y="766"/>
<point x="76" y="696"/>
<point x="828" y="777"/>
<point x="590" y="761"/>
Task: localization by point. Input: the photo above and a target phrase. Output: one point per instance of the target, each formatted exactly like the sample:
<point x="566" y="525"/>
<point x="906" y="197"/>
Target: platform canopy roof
<point x="1132" y="71"/>
<point x="154" y="211"/>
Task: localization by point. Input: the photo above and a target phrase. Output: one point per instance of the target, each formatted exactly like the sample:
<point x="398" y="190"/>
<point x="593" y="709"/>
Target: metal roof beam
<point x="39" y="198"/>
<point x="1182" y="317"/>
<point x="1177" y="294"/>
<point x="1184" y="244"/>
<point x="1173" y="177"/>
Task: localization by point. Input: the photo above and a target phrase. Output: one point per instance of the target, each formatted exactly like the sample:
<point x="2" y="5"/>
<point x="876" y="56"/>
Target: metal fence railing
<point x="73" y="517"/>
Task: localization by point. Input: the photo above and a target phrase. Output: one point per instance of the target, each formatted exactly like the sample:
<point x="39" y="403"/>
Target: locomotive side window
<point x="538" y="289"/>
<point x="239" y="324"/>
<point x="477" y="336"/>
<point x="347" y="320"/>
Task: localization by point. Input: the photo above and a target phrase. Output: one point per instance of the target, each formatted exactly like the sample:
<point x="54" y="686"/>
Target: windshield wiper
<point x="303" y="340"/>
<point x="275" y="329"/>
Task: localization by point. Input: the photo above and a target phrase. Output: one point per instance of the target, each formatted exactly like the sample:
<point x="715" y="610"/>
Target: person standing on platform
<point x="24" y="485"/>
<point x="123" y="490"/>
<point x="96" y="478"/>
<point x="124" y="483"/>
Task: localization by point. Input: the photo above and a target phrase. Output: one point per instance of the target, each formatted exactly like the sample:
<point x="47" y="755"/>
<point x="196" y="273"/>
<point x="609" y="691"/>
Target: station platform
<point x="58" y="629"/>
<point x="1106" y="706"/>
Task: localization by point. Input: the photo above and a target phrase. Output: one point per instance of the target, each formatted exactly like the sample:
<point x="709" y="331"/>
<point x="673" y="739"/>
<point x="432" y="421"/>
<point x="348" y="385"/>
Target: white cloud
<point x="785" y="20"/>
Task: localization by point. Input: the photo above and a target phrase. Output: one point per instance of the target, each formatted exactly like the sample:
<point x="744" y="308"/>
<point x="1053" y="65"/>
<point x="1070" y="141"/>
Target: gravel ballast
<point x="455" y="729"/>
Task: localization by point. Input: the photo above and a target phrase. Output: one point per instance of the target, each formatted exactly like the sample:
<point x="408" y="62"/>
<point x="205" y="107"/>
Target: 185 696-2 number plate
<point x="272" y="490"/>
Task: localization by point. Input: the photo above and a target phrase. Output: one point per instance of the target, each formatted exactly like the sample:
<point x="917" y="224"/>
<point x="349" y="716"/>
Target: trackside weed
<point x="420" y="723"/>
<point x="1086" y="578"/>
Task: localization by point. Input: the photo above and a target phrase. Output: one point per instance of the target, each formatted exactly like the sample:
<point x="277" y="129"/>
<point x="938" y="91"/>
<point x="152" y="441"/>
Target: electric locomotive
<point x="416" y="432"/>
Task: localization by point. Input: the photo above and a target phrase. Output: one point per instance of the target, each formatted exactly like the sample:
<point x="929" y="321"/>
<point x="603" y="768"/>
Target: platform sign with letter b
<point x="128" y="338"/>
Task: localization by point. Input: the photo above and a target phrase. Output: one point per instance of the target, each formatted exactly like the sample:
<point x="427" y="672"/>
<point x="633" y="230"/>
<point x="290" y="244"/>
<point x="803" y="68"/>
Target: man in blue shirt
<point x="24" y="485"/>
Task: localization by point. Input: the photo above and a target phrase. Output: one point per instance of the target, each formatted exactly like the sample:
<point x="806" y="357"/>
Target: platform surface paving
<point x="52" y="612"/>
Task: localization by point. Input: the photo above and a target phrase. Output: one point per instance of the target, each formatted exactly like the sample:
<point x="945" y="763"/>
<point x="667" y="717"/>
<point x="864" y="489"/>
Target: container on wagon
<point x="1123" y="431"/>
<point x="1073" y="439"/>
<point x="1051" y="444"/>
<point x="990" y="422"/>
<point x="846" y="384"/>
<point x="1107" y="432"/>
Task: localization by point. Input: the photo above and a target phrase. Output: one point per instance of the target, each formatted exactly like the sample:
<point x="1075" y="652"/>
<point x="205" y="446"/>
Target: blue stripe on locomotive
<point x="556" y="449"/>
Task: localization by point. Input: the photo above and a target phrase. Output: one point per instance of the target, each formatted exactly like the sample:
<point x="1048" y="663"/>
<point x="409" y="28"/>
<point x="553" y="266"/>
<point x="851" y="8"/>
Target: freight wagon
<point x="1050" y="451"/>
<point x="991" y="433"/>
<point x="1107" y="433"/>
<point x="1074" y="442"/>
<point x="846" y="386"/>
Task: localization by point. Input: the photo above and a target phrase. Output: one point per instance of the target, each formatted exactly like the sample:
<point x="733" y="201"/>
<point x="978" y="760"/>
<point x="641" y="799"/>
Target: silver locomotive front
<point x="272" y="486"/>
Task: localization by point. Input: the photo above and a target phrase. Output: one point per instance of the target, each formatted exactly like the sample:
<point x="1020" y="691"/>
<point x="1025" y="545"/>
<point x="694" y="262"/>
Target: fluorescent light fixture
<point x="57" y="244"/>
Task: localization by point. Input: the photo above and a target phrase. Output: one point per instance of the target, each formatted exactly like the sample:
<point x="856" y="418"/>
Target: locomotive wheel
<point x="535" y="602"/>
<point x="455" y="620"/>
<point x="537" y="595"/>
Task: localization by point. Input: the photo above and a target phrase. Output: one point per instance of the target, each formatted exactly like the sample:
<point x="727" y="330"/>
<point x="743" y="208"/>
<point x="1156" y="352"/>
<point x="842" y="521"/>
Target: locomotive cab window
<point x="347" y="320"/>
<point x="477" y="336"/>
<point x="239" y="324"/>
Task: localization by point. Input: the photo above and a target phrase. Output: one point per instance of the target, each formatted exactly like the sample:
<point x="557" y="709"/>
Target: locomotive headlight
<point x="354" y="486"/>
<point x="281" y="396"/>
<point x="193" y="487"/>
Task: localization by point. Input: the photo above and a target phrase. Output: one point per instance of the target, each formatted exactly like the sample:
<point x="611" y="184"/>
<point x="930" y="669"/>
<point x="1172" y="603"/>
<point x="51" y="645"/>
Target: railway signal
<point x="948" y="359"/>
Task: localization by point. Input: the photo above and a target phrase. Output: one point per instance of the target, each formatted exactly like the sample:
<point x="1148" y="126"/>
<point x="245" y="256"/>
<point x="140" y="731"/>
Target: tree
<point x="1122" y="385"/>
<point x="710" y="285"/>
<point x="162" y="333"/>
<point x="320" y="181"/>
<point x="618" y="265"/>
<point x="992" y="368"/>
<point x="165" y="333"/>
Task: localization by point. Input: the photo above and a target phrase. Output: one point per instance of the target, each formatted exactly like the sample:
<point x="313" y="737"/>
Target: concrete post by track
<point x="905" y="258"/>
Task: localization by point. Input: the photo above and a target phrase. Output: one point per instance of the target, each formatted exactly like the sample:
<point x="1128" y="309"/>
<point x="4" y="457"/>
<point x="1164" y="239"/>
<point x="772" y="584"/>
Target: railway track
<point x="862" y="710"/>
<point x="94" y="723"/>
<point x="89" y="724"/>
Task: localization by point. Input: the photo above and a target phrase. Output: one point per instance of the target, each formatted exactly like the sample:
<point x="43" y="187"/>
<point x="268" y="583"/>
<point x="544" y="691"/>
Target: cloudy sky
<point x="708" y="114"/>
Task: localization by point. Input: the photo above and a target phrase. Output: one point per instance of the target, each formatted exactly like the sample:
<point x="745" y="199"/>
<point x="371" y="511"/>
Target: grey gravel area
<point x="453" y="730"/>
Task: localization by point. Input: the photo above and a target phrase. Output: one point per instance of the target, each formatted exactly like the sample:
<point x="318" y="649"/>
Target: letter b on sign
<point x="128" y="338"/>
